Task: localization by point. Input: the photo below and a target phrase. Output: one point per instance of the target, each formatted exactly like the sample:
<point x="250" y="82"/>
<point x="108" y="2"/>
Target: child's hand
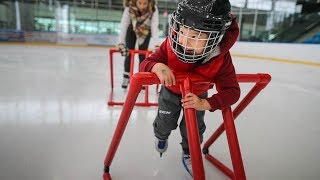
<point x="123" y="50"/>
<point x="193" y="101"/>
<point x="164" y="74"/>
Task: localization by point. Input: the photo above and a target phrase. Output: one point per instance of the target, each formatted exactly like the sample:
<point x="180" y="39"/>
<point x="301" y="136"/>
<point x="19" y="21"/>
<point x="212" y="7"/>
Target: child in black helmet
<point x="200" y="36"/>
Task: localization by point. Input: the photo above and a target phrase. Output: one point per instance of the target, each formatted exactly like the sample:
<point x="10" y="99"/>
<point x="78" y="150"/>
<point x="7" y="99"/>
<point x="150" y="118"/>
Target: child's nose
<point x="183" y="41"/>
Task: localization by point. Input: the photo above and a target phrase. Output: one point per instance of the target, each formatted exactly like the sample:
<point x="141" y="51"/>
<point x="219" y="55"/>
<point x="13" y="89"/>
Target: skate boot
<point x="161" y="145"/>
<point x="186" y="161"/>
<point x="125" y="82"/>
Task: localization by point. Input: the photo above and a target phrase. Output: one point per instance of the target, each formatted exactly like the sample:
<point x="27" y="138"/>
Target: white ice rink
<point x="55" y="123"/>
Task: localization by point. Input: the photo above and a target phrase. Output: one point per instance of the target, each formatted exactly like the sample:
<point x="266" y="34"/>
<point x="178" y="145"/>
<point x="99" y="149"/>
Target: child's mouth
<point x="189" y="51"/>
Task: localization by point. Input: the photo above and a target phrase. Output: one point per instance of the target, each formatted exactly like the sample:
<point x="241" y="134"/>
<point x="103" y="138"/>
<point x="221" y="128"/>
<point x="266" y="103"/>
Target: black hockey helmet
<point x="205" y="16"/>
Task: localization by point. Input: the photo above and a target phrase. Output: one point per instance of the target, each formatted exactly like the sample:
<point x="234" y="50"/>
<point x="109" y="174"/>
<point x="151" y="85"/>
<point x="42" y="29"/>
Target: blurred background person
<point x="139" y="23"/>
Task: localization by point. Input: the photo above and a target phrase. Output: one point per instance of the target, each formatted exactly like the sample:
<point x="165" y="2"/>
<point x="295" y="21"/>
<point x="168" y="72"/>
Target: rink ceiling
<point x="55" y="124"/>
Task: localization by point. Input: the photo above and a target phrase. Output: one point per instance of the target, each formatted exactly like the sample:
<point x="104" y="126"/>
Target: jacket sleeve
<point x="154" y="27"/>
<point x="124" y="24"/>
<point x="228" y="90"/>
<point x="159" y="56"/>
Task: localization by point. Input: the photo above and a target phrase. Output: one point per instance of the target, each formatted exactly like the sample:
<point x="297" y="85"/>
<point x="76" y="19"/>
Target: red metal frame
<point x="186" y="80"/>
<point x="229" y="116"/>
<point x="111" y="101"/>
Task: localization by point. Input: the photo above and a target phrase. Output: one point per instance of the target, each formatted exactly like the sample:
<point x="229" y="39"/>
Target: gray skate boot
<point x="161" y="145"/>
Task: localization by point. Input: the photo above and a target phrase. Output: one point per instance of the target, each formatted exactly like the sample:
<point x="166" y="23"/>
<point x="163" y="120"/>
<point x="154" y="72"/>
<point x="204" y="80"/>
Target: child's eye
<point x="194" y="37"/>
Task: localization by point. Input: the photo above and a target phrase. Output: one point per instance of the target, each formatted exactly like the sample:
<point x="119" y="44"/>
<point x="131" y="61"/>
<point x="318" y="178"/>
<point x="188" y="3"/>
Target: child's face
<point x="142" y="5"/>
<point x="193" y="42"/>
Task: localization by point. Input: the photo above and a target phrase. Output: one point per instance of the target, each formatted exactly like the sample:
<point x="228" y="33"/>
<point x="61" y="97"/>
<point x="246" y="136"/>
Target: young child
<point x="139" y="22"/>
<point x="200" y="36"/>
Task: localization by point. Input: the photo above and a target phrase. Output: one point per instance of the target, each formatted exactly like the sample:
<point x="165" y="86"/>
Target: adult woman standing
<point x="139" y="23"/>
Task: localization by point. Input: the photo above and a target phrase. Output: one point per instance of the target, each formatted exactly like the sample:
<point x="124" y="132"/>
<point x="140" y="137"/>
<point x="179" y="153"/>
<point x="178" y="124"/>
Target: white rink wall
<point x="286" y="51"/>
<point x="257" y="50"/>
<point x="282" y="51"/>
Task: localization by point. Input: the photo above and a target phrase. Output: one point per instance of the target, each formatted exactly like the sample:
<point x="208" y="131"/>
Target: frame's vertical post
<point x="110" y="101"/>
<point x="146" y="95"/>
<point x="134" y="89"/>
<point x="111" y="51"/>
<point x="193" y="135"/>
<point x="106" y="176"/>
<point x="233" y="142"/>
<point x="132" y="54"/>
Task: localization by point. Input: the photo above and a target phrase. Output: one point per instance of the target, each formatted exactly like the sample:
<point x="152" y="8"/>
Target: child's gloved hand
<point x="164" y="74"/>
<point x="123" y="49"/>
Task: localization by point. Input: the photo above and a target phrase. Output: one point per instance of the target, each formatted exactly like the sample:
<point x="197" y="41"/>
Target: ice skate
<point x="125" y="82"/>
<point x="161" y="145"/>
<point x="186" y="161"/>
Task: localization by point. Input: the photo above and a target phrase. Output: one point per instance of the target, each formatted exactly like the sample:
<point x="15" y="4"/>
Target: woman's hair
<point x="126" y="3"/>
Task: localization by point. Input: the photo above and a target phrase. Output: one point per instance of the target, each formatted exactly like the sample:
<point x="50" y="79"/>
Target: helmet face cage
<point x="211" y="41"/>
<point x="198" y="17"/>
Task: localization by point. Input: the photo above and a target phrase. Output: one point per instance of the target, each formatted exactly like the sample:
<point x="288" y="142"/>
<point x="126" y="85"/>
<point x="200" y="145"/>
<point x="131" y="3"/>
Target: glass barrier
<point x="263" y="21"/>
